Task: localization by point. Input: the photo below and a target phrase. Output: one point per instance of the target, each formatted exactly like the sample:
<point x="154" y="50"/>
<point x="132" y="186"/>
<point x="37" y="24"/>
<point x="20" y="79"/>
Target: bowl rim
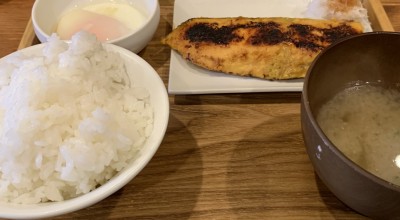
<point x="117" y="182"/>
<point x="318" y="129"/>
<point x="154" y="13"/>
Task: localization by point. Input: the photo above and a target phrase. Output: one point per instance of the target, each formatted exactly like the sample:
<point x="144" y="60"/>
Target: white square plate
<point x="186" y="78"/>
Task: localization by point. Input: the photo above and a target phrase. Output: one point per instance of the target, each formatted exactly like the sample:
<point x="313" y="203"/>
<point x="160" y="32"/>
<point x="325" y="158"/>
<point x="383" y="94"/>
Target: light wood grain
<point x="29" y="37"/>
<point x="227" y="156"/>
<point x="377" y="16"/>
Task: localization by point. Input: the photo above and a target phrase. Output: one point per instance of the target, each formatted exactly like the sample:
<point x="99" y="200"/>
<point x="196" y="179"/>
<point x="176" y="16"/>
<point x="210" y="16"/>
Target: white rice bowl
<point x="74" y="128"/>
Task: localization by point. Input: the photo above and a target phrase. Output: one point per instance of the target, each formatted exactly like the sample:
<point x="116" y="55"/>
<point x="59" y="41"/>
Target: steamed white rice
<point x="339" y="10"/>
<point x="69" y="120"/>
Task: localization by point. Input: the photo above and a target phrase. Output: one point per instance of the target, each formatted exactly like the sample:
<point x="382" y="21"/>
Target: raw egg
<point x="107" y="21"/>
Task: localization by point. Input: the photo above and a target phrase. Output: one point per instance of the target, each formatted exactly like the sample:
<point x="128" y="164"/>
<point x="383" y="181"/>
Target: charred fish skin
<point x="268" y="48"/>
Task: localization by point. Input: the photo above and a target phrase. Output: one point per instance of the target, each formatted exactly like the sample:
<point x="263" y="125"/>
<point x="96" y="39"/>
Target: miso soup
<point x="364" y="123"/>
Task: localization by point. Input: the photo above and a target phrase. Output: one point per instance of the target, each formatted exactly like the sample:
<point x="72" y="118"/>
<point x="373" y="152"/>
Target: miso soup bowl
<point x="47" y="13"/>
<point x="370" y="57"/>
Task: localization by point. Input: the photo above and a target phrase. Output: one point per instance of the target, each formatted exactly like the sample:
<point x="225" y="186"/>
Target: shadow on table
<point x="155" y="193"/>
<point x="4" y="1"/>
<point x="270" y="175"/>
<point x="242" y="98"/>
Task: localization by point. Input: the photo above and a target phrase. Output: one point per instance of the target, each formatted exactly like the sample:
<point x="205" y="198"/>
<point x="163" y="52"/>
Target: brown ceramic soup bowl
<point x="370" y="57"/>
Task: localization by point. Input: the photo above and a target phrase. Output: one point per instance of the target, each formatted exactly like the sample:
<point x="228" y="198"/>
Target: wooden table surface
<point x="230" y="156"/>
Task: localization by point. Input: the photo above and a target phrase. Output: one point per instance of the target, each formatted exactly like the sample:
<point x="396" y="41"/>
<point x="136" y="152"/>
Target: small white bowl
<point x="47" y="13"/>
<point x="142" y="74"/>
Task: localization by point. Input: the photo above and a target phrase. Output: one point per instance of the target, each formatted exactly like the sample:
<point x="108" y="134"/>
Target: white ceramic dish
<point x="139" y="71"/>
<point x="185" y="78"/>
<point x="47" y="13"/>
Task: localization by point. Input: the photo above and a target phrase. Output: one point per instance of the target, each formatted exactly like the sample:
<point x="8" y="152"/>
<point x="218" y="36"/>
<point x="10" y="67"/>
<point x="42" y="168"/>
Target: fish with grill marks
<point x="269" y="48"/>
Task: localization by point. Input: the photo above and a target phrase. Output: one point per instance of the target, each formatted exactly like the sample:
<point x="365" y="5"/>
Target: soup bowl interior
<point x="367" y="58"/>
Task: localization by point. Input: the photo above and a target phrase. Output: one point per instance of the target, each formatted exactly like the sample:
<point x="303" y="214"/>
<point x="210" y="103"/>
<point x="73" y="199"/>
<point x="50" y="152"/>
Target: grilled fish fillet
<point x="268" y="48"/>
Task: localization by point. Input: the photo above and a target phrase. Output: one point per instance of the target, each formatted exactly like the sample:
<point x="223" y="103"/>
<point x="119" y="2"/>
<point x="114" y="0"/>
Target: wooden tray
<point x="377" y="16"/>
<point x="376" y="13"/>
<point x="29" y="37"/>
